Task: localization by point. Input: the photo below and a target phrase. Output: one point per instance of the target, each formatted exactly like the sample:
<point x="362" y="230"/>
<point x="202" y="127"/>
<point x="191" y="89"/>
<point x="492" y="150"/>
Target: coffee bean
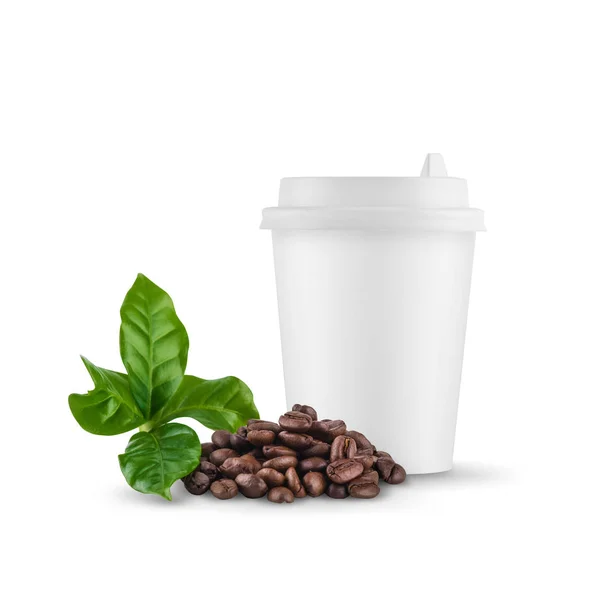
<point x="318" y="448"/>
<point x="271" y="477"/>
<point x="342" y="447"/>
<point x="365" y="477"/>
<point x="365" y="458"/>
<point x="364" y="490"/>
<point x="220" y="438"/>
<point x="207" y="449"/>
<point x="253" y="461"/>
<point x="275" y="451"/>
<point x="337" y="491"/>
<point x="280" y="495"/>
<point x="261" y="437"/>
<point x="307" y="410"/>
<point x="314" y="483"/>
<point x="218" y="457"/>
<point x="239" y="443"/>
<point x="242" y="431"/>
<point x="209" y="469"/>
<point x="281" y="463"/>
<point x="295" y="422"/>
<point x="224" y="489"/>
<point x="344" y="470"/>
<point x="326" y="430"/>
<point x="362" y="443"/>
<point x="385" y="466"/>
<point x="259" y="425"/>
<point x="251" y="486"/>
<point x="232" y="467"/>
<point x="293" y="482"/>
<point x="297" y="441"/>
<point x="196" y="483"/>
<point x="398" y="475"/>
<point x="314" y="463"/>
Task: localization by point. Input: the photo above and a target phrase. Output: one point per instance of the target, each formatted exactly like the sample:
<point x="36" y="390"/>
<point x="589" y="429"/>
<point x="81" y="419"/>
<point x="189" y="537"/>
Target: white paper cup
<point x="373" y="278"/>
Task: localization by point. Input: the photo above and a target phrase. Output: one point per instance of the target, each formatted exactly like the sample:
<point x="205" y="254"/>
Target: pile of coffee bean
<point x="296" y="457"/>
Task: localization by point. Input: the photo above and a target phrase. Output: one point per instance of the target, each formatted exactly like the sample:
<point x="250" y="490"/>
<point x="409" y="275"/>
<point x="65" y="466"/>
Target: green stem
<point x="147" y="426"/>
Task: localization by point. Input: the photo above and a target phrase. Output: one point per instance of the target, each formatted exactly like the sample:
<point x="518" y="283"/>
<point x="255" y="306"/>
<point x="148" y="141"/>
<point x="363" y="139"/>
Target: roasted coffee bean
<point x="261" y="437"/>
<point x="326" y="430"/>
<point x="251" y="486"/>
<point x="210" y="470"/>
<point x="363" y="487"/>
<point x="295" y="422"/>
<point x="318" y="448"/>
<point x="224" y="489"/>
<point x="398" y="475"/>
<point x="314" y="483"/>
<point x="232" y="467"/>
<point x="243" y="430"/>
<point x="271" y="477"/>
<point x="218" y="457"/>
<point x="362" y="443"/>
<point x="335" y="490"/>
<point x="390" y="471"/>
<point x="281" y="463"/>
<point x="292" y="480"/>
<point x="385" y="466"/>
<point x="259" y="425"/>
<point x="280" y="495"/>
<point x="275" y="451"/>
<point x="365" y="458"/>
<point x="239" y="443"/>
<point x="365" y="477"/>
<point x="342" y="447"/>
<point x="220" y="438"/>
<point x="307" y="410"/>
<point x="250" y="458"/>
<point x="344" y="470"/>
<point x="196" y="483"/>
<point x="297" y="441"/>
<point x="314" y="463"/>
<point x="207" y="449"/>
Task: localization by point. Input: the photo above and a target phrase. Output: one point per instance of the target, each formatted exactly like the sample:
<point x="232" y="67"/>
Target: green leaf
<point x="108" y="409"/>
<point x="154" y="345"/>
<point x="225" y="403"/>
<point x="154" y="460"/>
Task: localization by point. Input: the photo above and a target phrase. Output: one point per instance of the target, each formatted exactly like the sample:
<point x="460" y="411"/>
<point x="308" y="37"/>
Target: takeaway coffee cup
<point x="373" y="278"/>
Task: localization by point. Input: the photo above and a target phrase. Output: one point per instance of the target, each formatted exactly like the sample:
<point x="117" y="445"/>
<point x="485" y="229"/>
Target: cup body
<point x="372" y="331"/>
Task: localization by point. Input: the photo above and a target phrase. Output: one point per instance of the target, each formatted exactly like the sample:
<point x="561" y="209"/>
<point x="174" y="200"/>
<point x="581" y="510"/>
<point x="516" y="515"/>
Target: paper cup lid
<point x="431" y="202"/>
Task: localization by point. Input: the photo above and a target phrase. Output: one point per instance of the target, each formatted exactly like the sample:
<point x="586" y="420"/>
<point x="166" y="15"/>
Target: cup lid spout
<point x="434" y="166"/>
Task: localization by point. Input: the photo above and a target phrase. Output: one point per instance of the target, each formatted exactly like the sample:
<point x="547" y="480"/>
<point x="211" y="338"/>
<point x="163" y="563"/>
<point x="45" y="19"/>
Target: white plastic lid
<point x="431" y="202"/>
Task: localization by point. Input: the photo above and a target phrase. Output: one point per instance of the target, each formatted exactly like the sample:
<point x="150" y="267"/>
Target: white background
<point x="147" y="137"/>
